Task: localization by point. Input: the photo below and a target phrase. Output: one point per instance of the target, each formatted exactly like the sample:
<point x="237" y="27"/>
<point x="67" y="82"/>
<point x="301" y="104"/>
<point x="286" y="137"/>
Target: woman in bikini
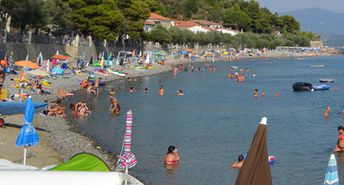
<point x="172" y="157"/>
<point x="340" y="142"/>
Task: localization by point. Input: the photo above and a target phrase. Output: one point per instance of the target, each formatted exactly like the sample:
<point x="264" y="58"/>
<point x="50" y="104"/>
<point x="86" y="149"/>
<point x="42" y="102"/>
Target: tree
<point x="288" y="24"/>
<point x="237" y="18"/>
<point x="135" y="13"/>
<point x="57" y="15"/>
<point x="190" y="7"/>
<point x="159" y="34"/>
<point x="24" y="13"/>
<point x="100" y="18"/>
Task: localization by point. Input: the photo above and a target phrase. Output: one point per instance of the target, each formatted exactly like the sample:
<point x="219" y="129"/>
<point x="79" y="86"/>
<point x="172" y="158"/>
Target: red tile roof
<point x="149" y="23"/>
<point x="155" y="16"/>
<point x="186" y="24"/>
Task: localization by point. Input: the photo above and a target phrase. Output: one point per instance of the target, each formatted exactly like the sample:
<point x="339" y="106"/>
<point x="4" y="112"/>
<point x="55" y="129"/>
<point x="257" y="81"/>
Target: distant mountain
<point x="319" y="20"/>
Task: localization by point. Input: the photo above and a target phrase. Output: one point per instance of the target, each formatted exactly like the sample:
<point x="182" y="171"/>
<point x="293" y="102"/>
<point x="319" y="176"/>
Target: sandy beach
<point x="61" y="142"/>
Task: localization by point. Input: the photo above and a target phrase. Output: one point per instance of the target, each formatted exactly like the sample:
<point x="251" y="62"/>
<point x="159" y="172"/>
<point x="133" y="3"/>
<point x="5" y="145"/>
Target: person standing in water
<point x="240" y="162"/>
<point x="255" y="93"/>
<point x="161" y="91"/>
<point x="96" y="85"/>
<point x="340" y="142"/>
<point x="172" y="157"/>
<point x="327" y="111"/>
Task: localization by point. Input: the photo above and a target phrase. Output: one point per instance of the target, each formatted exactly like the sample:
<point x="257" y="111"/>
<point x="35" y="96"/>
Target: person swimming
<point x="340" y="142"/>
<point x="255" y="93"/>
<point x="180" y="92"/>
<point x="240" y="162"/>
<point x="146" y="90"/>
<point x="172" y="157"/>
<point x="161" y="91"/>
<point x="132" y="89"/>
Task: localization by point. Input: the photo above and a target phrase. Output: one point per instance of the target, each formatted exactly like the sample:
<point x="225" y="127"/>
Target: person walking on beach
<point x="340" y="142"/>
<point x="327" y="112"/>
<point x="172" y="157"/>
<point x="161" y="91"/>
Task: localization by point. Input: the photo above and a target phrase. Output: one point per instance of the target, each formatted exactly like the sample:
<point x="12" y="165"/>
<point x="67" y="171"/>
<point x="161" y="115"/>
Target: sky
<point x="288" y="5"/>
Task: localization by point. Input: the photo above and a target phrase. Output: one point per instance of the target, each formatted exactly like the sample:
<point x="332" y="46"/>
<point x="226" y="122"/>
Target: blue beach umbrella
<point x="331" y="177"/>
<point x="28" y="135"/>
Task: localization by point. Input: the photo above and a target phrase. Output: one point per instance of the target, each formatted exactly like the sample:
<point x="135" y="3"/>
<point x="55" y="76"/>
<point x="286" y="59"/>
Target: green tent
<point x="83" y="162"/>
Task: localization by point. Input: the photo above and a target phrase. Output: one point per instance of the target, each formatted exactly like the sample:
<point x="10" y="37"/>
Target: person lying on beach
<point x="161" y="91"/>
<point x="56" y="109"/>
<point x="180" y="92"/>
<point x="63" y="94"/>
<point x="340" y="142"/>
<point x="238" y="165"/>
<point x="172" y="157"/>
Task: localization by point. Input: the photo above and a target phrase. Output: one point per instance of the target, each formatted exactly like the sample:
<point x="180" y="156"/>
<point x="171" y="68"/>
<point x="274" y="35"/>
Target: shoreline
<point x="67" y="141"/>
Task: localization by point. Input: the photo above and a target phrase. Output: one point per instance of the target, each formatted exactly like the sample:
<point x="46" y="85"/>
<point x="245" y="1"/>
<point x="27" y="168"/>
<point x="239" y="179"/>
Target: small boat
<point x="318" y="66"/>
<point x="326" y="80"/>
<point x="118" y="73"/>
<point x="302" y="86"/>
<point x="321" y="87"/>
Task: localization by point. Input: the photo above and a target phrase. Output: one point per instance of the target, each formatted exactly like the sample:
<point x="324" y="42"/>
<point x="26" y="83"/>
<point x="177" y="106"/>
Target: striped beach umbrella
<point x="127" y="159"/>
<point x="331" y="177"/>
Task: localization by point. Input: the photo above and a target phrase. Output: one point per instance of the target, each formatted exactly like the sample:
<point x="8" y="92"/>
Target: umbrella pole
<point x="24" y="159"/>
<point x="126" y="172"/>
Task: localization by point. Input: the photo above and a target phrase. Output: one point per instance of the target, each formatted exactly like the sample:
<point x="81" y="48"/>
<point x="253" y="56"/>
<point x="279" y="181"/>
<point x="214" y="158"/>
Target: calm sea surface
<point x="216" y="119"/>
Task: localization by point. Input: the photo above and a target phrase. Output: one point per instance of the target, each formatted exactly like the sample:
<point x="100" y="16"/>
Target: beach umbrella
<point x="28" y="135"/>
<point x="27" y="64"/>
<point x="256" y="169"/>
<point x="40" y="59"/>
<point x="331" y="177"/>
<point x="60" y="57"/>
<point x="127" y="159"/>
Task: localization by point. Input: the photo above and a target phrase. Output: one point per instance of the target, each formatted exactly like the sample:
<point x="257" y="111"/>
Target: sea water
<point x="217" y="118"/>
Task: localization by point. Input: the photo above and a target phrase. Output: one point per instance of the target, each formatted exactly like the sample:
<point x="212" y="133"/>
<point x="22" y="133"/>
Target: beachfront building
<point x="209" y="24"/>
<point x="156" y="19"/>
<point x="191" y="26"/>
<point x="228" y="31"/>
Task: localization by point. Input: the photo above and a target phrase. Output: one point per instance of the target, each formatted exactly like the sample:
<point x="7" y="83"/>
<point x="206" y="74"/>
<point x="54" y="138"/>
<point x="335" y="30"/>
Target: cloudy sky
<point x="287" y="5"/>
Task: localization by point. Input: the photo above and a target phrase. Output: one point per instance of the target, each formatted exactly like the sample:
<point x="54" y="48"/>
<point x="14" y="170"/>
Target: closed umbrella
<point x="127" y="158"/>
<point x="28" y="135"/>
<point x="256" y="169"/>
<point x="27" y="64"/>
<point x="331" y="177"/>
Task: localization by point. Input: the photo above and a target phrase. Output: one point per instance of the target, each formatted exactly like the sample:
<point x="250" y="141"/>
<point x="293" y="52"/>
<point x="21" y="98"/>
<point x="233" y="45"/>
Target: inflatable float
<point x="326" y="80"/>
<point x="321" y="87"/>
<point x="302" y="86"/>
